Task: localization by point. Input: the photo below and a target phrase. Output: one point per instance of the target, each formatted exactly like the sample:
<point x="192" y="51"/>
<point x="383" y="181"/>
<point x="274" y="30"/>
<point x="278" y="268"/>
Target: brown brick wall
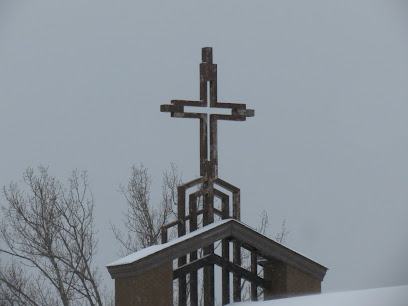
<point x="300" y="283"/>
<point x="288" y="282"/>
<point x="154" y="287"/>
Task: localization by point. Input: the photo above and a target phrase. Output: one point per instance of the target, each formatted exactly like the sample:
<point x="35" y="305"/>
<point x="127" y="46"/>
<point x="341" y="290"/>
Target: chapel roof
<point x="231" y="229"/>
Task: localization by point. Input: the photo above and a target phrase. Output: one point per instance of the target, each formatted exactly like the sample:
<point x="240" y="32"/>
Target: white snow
<point x="391" y="296"/>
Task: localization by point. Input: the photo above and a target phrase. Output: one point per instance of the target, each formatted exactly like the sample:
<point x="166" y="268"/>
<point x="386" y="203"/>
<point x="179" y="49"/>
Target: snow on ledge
<point x="390" y="296"/>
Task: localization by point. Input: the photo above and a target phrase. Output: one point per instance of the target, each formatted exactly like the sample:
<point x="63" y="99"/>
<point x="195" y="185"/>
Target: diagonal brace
<point x="214" y="259"/>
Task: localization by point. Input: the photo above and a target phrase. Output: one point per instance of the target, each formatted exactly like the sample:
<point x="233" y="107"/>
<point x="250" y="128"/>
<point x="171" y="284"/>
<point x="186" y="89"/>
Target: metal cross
<point x="208" y="181"/>
<point x="208" y="93"/>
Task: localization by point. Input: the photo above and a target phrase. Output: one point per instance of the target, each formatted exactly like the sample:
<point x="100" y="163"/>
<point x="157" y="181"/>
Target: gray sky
<point x="81" y="83"/>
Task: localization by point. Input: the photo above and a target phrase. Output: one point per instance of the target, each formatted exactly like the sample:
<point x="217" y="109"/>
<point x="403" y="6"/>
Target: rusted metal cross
<point x="208" y="183"/>
<point x="208" y="93"/>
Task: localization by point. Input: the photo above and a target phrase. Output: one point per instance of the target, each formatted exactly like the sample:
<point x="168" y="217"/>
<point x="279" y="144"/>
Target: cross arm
<point x="237" y="109"/>
<point x="176" y="108"/>
<point x="243" y="112"/>
<point x="178" y="105"/>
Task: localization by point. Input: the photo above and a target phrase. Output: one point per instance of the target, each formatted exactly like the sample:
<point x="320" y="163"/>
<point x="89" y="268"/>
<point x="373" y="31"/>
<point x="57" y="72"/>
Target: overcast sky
<point x="81" y="83"/>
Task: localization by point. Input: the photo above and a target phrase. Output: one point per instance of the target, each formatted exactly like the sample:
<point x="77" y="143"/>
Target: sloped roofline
<point x="154" y="256"/>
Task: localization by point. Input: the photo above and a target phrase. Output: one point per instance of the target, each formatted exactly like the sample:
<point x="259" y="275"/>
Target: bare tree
<point x="48" y="229"/>
<point x="281" y="236"/>
<point x="143" y="220"/>
<point x="18" y="288"/>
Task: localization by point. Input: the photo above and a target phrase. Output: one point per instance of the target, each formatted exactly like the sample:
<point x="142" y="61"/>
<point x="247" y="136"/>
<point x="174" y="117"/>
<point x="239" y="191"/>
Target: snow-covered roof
<point x="156" y="248"/>
<point x="391" y="296"/>
<point x="156" y="255"/>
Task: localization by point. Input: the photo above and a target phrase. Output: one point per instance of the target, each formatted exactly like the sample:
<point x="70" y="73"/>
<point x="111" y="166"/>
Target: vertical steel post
<point x="181" y="229"/>
<point x="225" y="254"/>
<point x="254" y="269"/>
<point x="193" y="255"/>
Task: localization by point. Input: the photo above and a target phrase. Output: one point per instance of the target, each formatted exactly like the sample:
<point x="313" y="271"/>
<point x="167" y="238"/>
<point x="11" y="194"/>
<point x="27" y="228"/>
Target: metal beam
<point x="214" y="259"/>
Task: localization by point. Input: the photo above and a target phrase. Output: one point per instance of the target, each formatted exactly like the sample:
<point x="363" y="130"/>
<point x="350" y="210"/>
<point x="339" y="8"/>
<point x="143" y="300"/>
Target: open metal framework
<point x="208" y="191"/>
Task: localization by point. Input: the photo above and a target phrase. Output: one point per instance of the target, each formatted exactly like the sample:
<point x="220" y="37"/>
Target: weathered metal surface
<point x="208" y="172"/>
<point x="192" y="210"/>
<point x="236" y="280"/>
<point x="225" y="274"/>
<point x="254" y="269"/>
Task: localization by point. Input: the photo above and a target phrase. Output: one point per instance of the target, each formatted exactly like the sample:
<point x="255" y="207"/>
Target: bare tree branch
<point x="281" y="236"/>
<point x="143" y="221"/>
<point x="49" y="227"/>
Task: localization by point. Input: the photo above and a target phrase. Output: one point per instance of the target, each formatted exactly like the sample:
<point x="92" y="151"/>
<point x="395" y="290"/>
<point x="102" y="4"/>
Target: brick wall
<point x="154" y="287"/>
<point x="288" y="281"/>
